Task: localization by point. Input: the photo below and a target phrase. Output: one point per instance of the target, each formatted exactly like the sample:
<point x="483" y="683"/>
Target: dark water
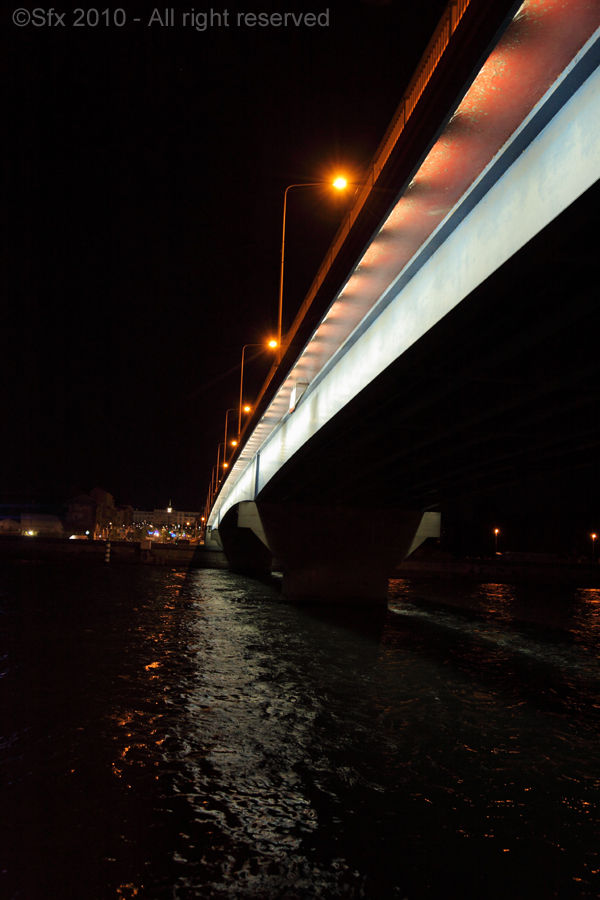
<point x="172" y="735"/>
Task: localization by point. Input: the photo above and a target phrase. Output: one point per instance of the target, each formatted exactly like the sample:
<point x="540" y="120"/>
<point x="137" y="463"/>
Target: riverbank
<point x="194" y="556"/>
<point x="500" y="571"/>
<point x="197" y="556"/>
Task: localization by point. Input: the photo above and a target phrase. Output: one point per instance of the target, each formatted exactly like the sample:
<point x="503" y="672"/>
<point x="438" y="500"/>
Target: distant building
<point x="10" y="526"/>
<point x="31" y="519"/>
<point x="161" y="518"/>
<point x="37" y="524"/>
<point x="81" y="515"/>
<point x="105" y="512"/>
<point x="97" y="513"/>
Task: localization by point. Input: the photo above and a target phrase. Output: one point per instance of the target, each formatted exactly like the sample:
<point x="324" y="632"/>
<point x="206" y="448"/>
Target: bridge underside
<point x="503" y="388"/>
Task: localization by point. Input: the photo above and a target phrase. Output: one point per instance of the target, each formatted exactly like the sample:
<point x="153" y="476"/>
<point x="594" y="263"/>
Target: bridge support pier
<point x="337" y="554"/>
<point x="329" y="554"/>
<point x="244" y="542"/>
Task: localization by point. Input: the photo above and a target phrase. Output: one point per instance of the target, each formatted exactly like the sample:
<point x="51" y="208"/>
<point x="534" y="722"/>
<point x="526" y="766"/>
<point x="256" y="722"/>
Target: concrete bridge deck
<point x="422" y="379"/>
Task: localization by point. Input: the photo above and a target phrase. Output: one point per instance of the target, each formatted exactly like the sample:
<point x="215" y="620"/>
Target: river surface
<point x="191" y="735"/>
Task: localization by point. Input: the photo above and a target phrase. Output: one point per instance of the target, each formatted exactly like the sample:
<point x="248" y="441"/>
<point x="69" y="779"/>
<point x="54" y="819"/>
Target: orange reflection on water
<point x="125" y="719"/>
<point x="128" y="891"/>
<point x="586" y="616"/>
<point x="496" y="599"/>
<point x="590" y="596"/>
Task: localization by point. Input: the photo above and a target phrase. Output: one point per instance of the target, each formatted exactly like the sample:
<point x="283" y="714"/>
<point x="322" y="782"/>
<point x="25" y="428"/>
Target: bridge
<point x="449" y="341"/>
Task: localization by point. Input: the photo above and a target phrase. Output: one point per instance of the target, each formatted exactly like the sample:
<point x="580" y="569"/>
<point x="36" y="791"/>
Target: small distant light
<point x="340" y="183"/>
<point x="169" y="509"/>
<point x="273" y="343"/>
<point x="234" y="443"/>
<point x="225" y="465"/>
<point x="246" y="409"/>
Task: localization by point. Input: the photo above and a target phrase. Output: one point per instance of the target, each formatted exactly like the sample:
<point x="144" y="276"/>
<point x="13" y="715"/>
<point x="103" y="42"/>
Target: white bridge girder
<point x="553" y="158"/>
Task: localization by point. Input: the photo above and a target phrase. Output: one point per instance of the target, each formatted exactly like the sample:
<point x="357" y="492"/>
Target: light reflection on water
<point x="174" y="735"/>
<point x="567" y="635"/>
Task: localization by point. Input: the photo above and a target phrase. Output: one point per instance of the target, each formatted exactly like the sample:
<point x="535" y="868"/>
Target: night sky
<point x="144" y="173"/>
<point x="143" y="176"/>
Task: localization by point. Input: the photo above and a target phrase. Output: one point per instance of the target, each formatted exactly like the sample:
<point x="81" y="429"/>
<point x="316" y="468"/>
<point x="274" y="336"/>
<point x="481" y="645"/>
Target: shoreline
<point x="20" y="548"/>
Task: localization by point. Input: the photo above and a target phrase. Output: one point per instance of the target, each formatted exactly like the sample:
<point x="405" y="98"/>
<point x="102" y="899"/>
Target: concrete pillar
<point x="212" y="540"/>
<point x="246" y="551"/>
<point x="337" y="554"/>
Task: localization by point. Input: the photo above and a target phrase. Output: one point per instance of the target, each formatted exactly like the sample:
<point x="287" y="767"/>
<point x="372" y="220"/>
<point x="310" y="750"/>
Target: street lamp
<point x="219" y="460"/>
<point x="272" y="344"/>
<point x="593" y="536"/>
<point x="233" y="409"/>
<point x="496" y="533"/>
<point x="339" y="184"/>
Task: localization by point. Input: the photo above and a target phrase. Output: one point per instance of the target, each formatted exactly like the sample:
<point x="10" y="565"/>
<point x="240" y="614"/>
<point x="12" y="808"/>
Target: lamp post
<point x="219" y="460"/>
<point x="593" y="536"/>
<point x="232" y="409"/>
<point x="272" y="344"/>
<point x="340" y="184"/>
<point x="496" y="533"/>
